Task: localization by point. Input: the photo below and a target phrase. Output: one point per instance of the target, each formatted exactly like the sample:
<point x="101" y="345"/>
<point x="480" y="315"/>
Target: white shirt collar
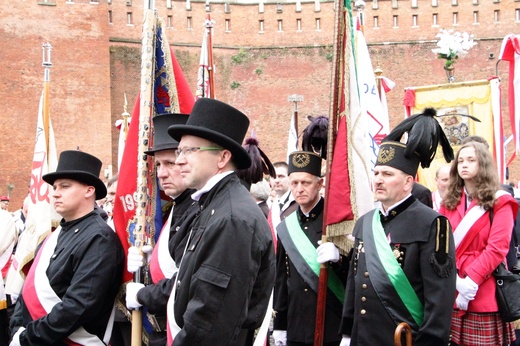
<point x="210" y="184"/>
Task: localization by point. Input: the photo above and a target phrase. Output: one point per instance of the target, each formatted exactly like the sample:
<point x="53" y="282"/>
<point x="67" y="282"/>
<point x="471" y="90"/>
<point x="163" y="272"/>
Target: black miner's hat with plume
<point x="424" y="135"/>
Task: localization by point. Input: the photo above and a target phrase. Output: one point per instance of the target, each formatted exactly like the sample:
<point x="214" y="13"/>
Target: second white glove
<point x="461" y="302"/>
<point x="280" y="337"/>
<point x="345" y="341"/>
<point x="131" y="295"/>
<point x="16" y="337"/>
<point x="134" y="260"/>
<point x="466" y="287"/>
<point x="327" y="252"/>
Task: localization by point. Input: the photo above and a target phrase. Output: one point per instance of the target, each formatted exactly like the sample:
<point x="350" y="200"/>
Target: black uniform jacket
<point x="85" y="272"/>
<point x="294" y="300"/>
<point x="414" y="229"/>
<point x="155" y="297"/>
<point x="226" y="276"/>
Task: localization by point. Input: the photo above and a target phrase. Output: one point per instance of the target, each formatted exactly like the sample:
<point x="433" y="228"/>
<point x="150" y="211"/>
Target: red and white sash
<point x="162" y="264"/>
<point x="40" y="298"/>
<point x="473" y="221"/>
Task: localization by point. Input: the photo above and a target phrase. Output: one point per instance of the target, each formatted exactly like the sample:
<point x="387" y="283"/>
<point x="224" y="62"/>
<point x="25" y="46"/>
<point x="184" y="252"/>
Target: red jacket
<point x="486" y="251"/>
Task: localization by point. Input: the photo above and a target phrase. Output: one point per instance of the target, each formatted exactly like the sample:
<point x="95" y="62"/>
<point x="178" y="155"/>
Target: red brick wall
<point x="96" y="63"/>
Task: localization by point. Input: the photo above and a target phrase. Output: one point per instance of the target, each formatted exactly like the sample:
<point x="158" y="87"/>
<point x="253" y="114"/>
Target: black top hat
<point x="305" y="161"/>
<point x="219" y="123"/>
<point x="79" y="166"/>
<point x="161" y="139"/>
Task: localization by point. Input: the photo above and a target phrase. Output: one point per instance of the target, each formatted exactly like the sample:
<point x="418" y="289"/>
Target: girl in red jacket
<point x="482" y="219"/>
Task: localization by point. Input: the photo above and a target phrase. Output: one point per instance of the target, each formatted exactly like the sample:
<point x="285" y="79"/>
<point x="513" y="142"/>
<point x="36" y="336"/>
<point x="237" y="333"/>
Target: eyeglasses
<point x="186" y="151"/>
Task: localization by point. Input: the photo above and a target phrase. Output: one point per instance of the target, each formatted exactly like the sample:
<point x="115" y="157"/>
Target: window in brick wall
<point x="280" y="25"/>
<point x="109" y="2"/>
<point x="455" y="18"/>
<point x="261" y="7"/>
<point x="475" y="17"/>
<point x="376" y="22"/>
<point x="279" y="7"/>
<point x="298" y="7"/>
<point x="94" y="1"/>
<point x="169" y="4"/>
<point x="318" y="24"/>
<point x="298" y="24"/>
<point x="414" y="3"/>
<point x="129" y="20"/>
<point x="475" y="2"/>
<point x="454" y="2"/>
<point x="375" y="4"/>
<point x="226" y="8"/>
<point x="396" y="22"/>
<point x="169" y="21"/>
<point x="69" y="1"/>
<point x="188" y="23"/>
<point x="208" y="8"/>
<point x="414" y="21"/>
<point x="435" y="3"/>
<point x="228" y="25"/>
<point x="435" y="21"/>
<point x="110" y="16"/>
<point x="497" y="16"/>
<point x="495" y="1"/>
<point x="128" y="2"/>
<point x="261" y="26"/>
<point x="517" y="15"/>
<point x="394" y="4"/>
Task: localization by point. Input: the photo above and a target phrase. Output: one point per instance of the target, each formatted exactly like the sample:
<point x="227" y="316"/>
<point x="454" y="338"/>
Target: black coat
<point x="85" y="273"/>
<point x="227" y="273"/>
<point x="294" y="300"/>
<point x="413" y="229"/>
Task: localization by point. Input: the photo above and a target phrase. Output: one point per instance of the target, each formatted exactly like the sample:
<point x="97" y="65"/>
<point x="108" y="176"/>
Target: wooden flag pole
<point x="145" y="114"/>
<point x="337" y="89"/>
<point x="211" y="71"/>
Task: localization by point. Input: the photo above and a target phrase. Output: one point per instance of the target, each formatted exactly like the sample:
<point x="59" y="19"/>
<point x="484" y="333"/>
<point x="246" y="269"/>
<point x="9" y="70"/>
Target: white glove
<point x="280" y="337"/>
<point x="462" y="302"/>
<point x="135" y="258"/>
<point x="16" y="337"/>
<point x="466" y="287"/>
<point x="131" y="295"/>
<point x="327" y="252"/>
<point x="345" y="341"/>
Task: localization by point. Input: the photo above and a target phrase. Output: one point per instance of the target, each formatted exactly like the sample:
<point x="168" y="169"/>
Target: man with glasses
<point x="226" y="274"/>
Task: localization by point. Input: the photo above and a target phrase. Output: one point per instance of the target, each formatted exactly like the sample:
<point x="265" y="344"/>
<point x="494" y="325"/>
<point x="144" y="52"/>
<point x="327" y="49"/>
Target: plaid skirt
<point x="478" y="329"/>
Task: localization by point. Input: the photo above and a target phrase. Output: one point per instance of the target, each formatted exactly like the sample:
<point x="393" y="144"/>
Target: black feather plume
<point x="315" y="136"/>
<point x="260" y="163"/>
<point x="424" y="135"/>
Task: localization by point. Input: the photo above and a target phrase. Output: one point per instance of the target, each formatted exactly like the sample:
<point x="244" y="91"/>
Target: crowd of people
<point x="239" y="258"/>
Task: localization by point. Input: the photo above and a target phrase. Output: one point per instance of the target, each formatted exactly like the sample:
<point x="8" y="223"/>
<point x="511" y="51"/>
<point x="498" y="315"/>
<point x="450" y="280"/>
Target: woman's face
<point x="467" y="164"/>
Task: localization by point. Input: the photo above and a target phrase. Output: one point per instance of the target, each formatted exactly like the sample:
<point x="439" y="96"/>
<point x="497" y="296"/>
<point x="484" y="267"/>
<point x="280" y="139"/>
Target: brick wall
<point x="96" y="63"/>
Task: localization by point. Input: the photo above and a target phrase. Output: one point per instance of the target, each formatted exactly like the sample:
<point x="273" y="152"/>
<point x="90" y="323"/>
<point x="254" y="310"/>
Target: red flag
<point x="124" y="203"/>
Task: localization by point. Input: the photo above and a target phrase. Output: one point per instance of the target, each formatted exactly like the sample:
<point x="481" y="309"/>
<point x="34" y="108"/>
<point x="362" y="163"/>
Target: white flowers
<point x="452" y="45"/>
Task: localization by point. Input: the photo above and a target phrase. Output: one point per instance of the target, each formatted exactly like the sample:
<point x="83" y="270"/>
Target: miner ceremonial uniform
<point x="403" y="265"/>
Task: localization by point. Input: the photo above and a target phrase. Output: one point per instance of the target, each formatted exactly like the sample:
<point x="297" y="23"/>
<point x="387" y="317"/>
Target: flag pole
<point x="209" y="31"/>
<point x="47" y="64"/>
<point x="339" y="60"/>
<point x="145" y="114"/>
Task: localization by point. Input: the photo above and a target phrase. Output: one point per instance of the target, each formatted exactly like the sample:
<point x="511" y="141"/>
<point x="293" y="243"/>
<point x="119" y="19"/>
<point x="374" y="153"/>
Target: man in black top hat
<point x="403" y="265"/>
<point x="69" y="292"/>
<point x="162" y="263"/>
<point x="297" y="258"/>
<point x="226" y="274"/>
